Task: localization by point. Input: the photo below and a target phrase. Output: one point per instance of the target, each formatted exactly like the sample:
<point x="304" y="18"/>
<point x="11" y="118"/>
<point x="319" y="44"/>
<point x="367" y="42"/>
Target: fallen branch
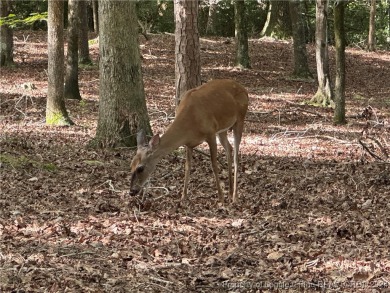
<point x="372" y="154"/>
<point x="369" y="151"/>
<point x="309" y="112"/>
<point x="298" y="133"/>
<point x="262" y="113"/>
<point x="169" y="265"/>
<point x="342" y="141"/>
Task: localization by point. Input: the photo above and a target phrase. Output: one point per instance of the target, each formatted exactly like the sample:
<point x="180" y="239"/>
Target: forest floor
<point x="313" y="213"/>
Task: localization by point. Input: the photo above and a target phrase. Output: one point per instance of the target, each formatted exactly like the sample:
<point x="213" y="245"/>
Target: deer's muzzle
<point x="134" y="191"/>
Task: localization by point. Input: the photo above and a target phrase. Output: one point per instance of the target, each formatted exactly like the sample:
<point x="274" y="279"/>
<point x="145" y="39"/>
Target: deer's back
<point x="212" y="107"/>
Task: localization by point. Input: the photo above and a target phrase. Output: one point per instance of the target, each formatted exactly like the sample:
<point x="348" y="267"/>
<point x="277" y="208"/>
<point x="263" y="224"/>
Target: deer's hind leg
<point x="228" y="148"/>
<point x="187" y="172"/>
<point x="212" y="142"/>
<point x="237" y="133"/>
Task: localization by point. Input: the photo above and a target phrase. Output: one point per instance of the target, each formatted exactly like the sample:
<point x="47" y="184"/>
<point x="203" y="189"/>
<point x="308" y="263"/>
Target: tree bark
<point x="122" y="106"/>
<point x="56" y="113"/>
<point x="187" y="49"/>
<point x="84" y="57"/>
<point x="339" y="112"/>
<point x="71" y="88"/>
<point x="371" y="30"/>
<point x="242" y="54"/>
<point x="301" y="66"/>
<point x="6" y="37"/>
<point x="324" y="95"/>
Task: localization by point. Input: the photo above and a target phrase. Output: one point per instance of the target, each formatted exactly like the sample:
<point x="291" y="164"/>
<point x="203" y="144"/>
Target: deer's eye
<point x="140" y="169"/>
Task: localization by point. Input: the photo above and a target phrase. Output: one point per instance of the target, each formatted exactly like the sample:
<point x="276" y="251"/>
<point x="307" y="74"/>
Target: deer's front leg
<point x="187" y="172"/>
<point x="213" y="154"/>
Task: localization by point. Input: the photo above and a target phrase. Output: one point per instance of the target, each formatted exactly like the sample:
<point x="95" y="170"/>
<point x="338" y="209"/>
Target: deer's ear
<point x="154" y="141"/>
<point x="141" y="139"/>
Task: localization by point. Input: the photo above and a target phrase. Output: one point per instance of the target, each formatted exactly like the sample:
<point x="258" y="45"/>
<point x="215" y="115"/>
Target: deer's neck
<point x="173" y="138"/>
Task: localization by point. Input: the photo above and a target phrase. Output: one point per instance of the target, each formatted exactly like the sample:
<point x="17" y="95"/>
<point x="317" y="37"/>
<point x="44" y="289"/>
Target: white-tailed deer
<point x="204" y="112"/>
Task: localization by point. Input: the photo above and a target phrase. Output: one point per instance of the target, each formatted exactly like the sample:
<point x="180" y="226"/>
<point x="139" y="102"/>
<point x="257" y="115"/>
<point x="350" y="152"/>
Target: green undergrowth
<point x="22" y="162"/>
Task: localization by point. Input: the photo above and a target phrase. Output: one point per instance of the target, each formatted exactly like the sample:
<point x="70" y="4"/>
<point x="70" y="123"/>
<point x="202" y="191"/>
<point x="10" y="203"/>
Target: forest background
<point x="313" y="210"/>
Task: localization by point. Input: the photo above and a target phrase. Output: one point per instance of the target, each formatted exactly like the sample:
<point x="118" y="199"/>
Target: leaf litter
<point x="314" y="197"/>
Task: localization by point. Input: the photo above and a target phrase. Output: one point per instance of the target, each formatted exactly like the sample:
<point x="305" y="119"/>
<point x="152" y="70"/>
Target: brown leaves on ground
<point x="314" y="197"/>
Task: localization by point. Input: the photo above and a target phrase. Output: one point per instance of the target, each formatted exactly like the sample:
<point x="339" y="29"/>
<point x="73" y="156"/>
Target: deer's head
<point x="143" y="163"/>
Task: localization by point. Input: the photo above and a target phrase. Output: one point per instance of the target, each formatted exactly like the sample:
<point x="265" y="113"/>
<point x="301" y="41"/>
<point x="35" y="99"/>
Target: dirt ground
<point x="313" y="213"/>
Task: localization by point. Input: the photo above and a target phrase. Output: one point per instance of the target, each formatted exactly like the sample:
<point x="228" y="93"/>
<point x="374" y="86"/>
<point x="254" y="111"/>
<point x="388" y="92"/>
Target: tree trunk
<point x="6" y="37"/>
<point x="242" y="55"/>
<point x="56" y="113"/>
<point x="95" y="8"/>
<point x="211" y="29"/>
<point x="187" y="49"/>
<point x="371" y="31"/>
<point x="339" y="32"/>
<point x="301" y="66"/>
<point x="324" y="95"/>
<point x="122" y="106"/>
<point x="83" y="34"/>
<point x="274" y="7"/>
<point x="71" y="89"/>
<point x="270" y="18"/>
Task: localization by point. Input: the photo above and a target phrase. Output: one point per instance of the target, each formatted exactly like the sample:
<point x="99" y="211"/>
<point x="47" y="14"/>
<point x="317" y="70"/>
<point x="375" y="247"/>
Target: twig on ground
<point x="160" y="280"/>
<point x="135" y="216"/>
<point x="19" y="100"/>
<point x="110" y="186"/>
<point x="369" y="151"/>
<point x="162" y="112"/>
<point x="77" y="253"/>
<point x="160" y="187"/>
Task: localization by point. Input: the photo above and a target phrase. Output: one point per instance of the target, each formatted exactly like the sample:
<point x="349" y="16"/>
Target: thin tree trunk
<point x="122" y="106"/>
<point x="56" y="113"/>
<point x="71" y="88"/>
<point x="6" y="37"/>
<point x="187" y="49"/>
<point x="84" y="57"/>
<point x="301" y="66"/>
<point x="339" y="113"/>
<point x="371" y="31"/>
<point x="242" y="54"/>
<point x="212" y="19"/>
<point x="95" y="7"/>
<point x="270" y="18"/>
<point x="324" y="95"/>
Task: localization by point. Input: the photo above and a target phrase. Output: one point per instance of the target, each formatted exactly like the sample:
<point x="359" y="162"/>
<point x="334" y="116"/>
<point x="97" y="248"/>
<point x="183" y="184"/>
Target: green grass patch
<point x="22" y="162"/>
